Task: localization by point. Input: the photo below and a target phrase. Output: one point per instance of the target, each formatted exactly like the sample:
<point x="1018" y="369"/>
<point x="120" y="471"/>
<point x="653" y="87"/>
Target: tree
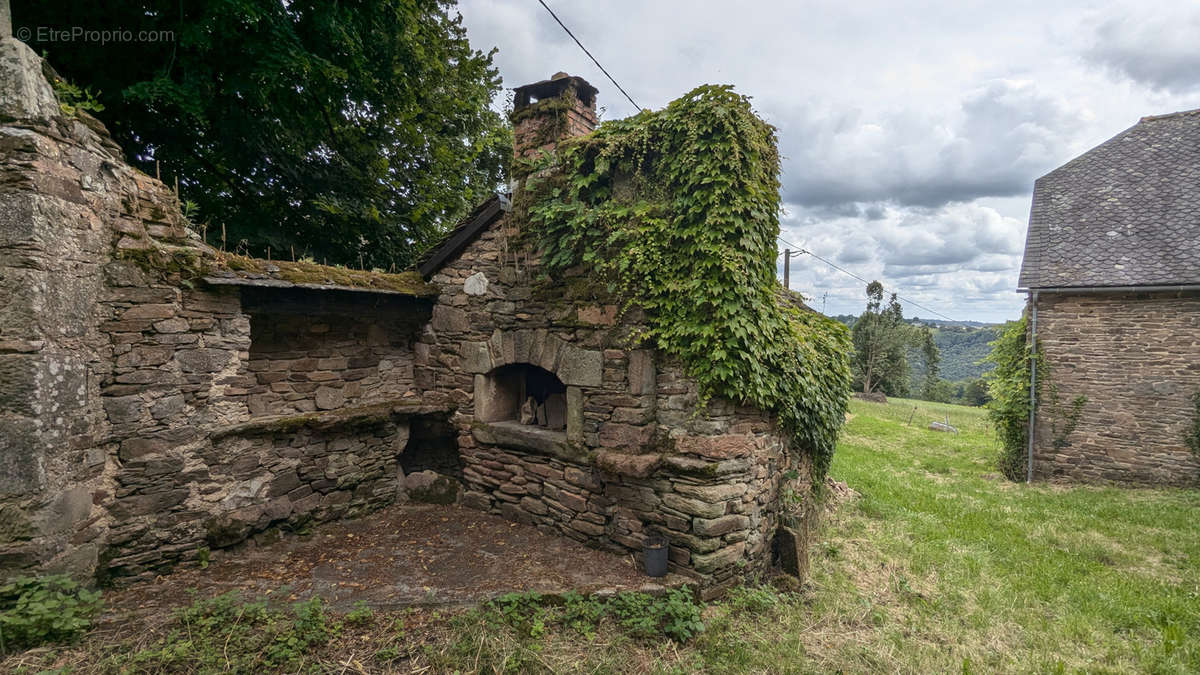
<point x="931" y="358"/>
<point x="880" y="341"/>
<point x="347" y="131"/>
<point x="976" y="392"/>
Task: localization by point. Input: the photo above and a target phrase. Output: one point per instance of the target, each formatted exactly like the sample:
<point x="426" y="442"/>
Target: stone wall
<point x="637" y="455"/>
<point x="145" y="415"/>
<point x="1137" y="359"/>
<point x="358" y="349"/>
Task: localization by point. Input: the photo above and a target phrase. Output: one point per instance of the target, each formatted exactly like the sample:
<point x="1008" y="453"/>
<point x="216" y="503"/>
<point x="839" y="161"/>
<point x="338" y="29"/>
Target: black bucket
<point x="654" y="555"/>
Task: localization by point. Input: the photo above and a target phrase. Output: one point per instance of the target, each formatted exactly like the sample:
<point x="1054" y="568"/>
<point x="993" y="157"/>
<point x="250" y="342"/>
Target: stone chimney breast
<point x="549" y="111"/>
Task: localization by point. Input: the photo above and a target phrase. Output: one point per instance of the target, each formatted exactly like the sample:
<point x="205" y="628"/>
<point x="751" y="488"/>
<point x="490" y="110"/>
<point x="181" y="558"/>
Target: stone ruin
<point x="159" y="398"/>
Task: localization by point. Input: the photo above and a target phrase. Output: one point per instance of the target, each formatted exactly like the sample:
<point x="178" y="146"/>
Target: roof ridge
<point x="1181" y="113"/>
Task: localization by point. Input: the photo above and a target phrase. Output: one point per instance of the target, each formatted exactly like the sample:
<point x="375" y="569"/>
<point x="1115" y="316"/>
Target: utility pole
<point x="824" y="296"/>
<point x="787" y="268"/>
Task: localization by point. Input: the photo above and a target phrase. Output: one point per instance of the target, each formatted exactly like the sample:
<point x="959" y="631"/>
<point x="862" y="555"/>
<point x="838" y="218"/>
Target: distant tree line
<point x="912" y="359"/>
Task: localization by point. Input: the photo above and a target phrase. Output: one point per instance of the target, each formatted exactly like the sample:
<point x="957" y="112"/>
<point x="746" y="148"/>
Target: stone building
<point x="1112" y="268"/>
<point x="160" y="397"/>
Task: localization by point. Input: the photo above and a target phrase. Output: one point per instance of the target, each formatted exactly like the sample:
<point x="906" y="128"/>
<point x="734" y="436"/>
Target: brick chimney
<point x="549" y="111"/>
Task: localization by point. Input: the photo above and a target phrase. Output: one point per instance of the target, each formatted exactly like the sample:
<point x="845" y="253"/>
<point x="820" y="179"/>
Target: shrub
<point x="1192" y="436"/>
<point x="42" y="610"/>
<point x="1008" y="385"/>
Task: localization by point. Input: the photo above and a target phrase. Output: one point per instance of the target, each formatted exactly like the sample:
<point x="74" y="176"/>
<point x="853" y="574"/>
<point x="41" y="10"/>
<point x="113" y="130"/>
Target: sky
<point x="911" y="133"/>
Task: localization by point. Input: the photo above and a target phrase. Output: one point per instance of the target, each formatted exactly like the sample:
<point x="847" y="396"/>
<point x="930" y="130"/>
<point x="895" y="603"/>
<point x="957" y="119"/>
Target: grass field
<point x="937" y="565"/>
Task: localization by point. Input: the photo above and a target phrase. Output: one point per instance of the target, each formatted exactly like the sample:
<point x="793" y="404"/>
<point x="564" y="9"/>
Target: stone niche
<point x="322" y="350"/>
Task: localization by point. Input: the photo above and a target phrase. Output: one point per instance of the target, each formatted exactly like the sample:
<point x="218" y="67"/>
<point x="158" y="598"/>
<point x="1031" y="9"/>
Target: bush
<point x="1008" y="385"/>
<point x="43" y="610"/>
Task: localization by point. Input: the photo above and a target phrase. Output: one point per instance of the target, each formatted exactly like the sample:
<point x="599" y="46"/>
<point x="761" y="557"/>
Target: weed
<point x="361" y="615"/>
<point x="44" y="610"/>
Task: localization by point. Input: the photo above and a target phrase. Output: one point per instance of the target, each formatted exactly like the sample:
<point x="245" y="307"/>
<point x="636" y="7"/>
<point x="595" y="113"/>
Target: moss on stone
<point x="182" y="262"/>
<point x="301" y="272"/>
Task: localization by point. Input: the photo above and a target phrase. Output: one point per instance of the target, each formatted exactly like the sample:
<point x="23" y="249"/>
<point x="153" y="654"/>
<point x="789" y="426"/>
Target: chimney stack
<point x="549" y="111"/>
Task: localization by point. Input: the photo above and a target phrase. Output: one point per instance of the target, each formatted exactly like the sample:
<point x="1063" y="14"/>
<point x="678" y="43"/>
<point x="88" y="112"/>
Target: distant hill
<point x="962" y="345"/>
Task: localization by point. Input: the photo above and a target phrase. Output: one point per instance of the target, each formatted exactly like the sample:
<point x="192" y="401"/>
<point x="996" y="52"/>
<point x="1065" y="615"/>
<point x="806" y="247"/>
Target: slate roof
<point x="1125" y="213"/>
<point x="462" y="235"/>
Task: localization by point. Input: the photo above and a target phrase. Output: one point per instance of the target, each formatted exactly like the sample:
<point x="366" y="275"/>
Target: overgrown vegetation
<point x="1192" y="436"/>
<point x="44" y="610"/>
<point x="73" y="98"/>
<point x="1008" y="385"/>
<point x="677" y="211"/>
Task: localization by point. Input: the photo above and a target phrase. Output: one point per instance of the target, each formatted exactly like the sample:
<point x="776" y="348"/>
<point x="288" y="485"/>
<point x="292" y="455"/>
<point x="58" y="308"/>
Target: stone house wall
<point x="1136" y="356"/>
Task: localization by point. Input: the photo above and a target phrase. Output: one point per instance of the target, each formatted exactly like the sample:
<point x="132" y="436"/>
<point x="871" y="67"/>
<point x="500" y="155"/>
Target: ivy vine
<point x="677" y="211"/>
<point x="1192" y="436"/>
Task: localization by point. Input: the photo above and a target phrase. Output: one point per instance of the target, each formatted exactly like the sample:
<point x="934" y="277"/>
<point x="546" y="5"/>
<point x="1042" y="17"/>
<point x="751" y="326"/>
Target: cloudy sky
<point x="911" y="132"/>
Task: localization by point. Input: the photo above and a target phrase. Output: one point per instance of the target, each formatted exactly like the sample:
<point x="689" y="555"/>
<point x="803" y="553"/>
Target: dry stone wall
<point x="638" y="454"/>
<point x="1137" y="359"/>
<point x="145" y="416"/>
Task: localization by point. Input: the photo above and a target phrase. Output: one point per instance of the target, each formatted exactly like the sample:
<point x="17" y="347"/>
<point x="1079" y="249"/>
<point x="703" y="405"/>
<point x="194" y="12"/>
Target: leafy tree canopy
<point x="347" y="131"/>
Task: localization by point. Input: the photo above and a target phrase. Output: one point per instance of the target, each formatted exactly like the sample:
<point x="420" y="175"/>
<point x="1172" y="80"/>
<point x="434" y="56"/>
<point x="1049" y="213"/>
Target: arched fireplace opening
<point x="524" y="393"/>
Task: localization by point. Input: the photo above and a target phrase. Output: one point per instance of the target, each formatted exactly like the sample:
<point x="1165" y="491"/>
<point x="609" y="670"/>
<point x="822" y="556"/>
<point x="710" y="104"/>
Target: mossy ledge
<point x="184" y="264"/>
<point x="310" y="273"/>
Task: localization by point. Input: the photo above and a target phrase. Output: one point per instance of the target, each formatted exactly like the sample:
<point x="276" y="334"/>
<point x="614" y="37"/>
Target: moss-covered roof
<point x="229" y="269"/>
<point x="217" y="268"/>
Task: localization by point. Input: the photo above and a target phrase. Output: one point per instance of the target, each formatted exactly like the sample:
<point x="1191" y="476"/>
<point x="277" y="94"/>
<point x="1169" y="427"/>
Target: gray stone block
<point x="581" y="367"/>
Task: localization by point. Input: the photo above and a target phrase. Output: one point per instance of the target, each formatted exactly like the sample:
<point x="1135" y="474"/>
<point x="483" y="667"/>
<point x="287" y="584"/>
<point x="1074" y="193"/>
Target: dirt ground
<point x="397" y="557"/>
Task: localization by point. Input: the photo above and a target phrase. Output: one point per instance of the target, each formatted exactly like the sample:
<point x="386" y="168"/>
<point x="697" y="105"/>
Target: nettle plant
<point x="677" y="211"/>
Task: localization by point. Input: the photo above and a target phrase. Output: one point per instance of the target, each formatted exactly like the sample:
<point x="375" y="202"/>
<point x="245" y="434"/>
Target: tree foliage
<point x="930" y="358"/>
<point x="881" y="340"/>
<point x="345" y="131"/>
<point x="678" y="211"/>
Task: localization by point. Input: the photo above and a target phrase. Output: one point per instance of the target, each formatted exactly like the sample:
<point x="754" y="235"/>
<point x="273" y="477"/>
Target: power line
<point x="585" y="51"/>
<point x="843" y="270"/>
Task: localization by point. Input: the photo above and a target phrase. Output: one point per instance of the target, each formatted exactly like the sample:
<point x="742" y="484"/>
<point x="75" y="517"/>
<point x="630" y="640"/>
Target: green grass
<point x="965" y="570"/>
<point x="938" y="564"/>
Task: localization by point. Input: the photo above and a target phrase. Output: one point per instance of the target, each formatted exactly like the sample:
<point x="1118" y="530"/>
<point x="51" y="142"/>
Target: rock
<point x="694" y="507"/>
<point x="580" y="367"/>
<point x="636" y="466"/>
<point x="476" y="284"/>
<point x="715" y="527"/>
<point x="712" y="493"/>
<point x="328" y="398"/>
<point x="24" y="92"/>
<point x="706" y="563"/>
<point x="431" y="487"/>
<point x="449" y="319"/>
<point x="14" y="525"/>
<point x="793" y="552"/>
<point x="641" y="372"/>
<point x="725" y="446"/>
